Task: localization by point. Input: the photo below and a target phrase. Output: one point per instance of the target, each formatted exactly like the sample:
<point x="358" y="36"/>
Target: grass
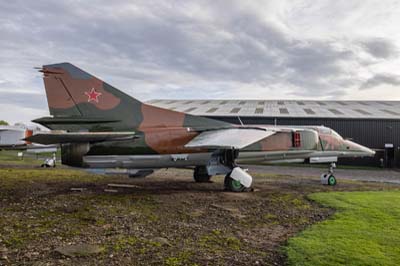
<point x="13" y="178"/>
<point x="65" y="214"/>
<point x="363" y="231"/>
<point x="10" y="157"/>
<point x="217" y="242"/>
<point x="182" y="259"/>
<point x="38" y="212"/>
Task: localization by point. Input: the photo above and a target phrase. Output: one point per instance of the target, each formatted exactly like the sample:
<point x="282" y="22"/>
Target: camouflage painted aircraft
<point x="99" y="126"/>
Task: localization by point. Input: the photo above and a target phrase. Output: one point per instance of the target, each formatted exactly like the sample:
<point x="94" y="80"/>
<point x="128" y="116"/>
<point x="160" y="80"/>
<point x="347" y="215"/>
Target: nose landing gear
<point x="329" y="178"/>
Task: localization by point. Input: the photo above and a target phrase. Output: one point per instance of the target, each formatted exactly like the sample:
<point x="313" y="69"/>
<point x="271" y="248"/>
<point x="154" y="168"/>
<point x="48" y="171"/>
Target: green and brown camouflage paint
<point x="79" y="101"/>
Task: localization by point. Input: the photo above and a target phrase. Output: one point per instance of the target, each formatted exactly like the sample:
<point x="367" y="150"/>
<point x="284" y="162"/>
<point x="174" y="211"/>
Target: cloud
<point x="380" y="48"/>
<point x="199" y="49"/>
<point x="23" y="99"/>
<point x="381" y="79"/>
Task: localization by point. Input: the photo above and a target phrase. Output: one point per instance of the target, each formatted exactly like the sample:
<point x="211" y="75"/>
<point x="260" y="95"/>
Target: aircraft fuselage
<point x="165" y="147"/>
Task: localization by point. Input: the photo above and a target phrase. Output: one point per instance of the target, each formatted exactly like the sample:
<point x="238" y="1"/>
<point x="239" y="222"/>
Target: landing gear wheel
<point x="328" y="178"/>
<point x="233" y="185"/>
<point x="201" y="175"/>
<point x="331" y="180"/>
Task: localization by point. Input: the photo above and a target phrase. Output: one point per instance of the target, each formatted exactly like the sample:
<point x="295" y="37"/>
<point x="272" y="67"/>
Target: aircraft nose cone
<point x="360" y="149"/>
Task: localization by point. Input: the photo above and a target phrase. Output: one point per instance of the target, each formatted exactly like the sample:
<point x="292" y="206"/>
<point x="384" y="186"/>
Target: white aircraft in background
<point x="11" y="138"/>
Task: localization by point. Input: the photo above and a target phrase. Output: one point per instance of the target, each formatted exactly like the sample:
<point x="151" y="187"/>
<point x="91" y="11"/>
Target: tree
<point x="3" y="123"/>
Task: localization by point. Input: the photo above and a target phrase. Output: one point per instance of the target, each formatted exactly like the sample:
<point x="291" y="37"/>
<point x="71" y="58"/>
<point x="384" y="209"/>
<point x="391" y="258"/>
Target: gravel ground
<point x="163" y="219"/>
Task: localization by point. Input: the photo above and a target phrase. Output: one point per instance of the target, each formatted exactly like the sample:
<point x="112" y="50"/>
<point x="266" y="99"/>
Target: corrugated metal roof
<point x="189" y="109"/>
<point x="235" y="110"/>
<point x="274" y="108"/>
<point x="362" y="111"/>
<point x="391" y="112"/>
<point x="283" y="111"/>
<point x="212" y="110"/>
<point x="336" y="112"/>
<point x="309" y="111"/>
<point x="259" y="110"/>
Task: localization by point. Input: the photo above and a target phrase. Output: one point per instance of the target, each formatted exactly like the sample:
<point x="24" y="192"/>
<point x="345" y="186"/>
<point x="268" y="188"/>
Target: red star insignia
<point x="93" y="95"/>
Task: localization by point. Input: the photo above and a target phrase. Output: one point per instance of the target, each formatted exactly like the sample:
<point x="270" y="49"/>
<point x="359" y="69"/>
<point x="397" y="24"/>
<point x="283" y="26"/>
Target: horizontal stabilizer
<point x="236" y="138"/>
<point x="79" y="137"/>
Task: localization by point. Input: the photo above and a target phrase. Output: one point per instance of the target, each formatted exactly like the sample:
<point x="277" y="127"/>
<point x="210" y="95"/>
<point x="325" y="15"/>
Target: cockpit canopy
<point x="328" y="131"/>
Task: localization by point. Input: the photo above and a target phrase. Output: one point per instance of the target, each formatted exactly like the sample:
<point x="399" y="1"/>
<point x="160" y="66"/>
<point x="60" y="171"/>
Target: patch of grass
<point x="218" y="241"/>
<point x="18" y="232"/>
<point x="290" y="201"/>
<point x="135" y="245"/>
<point x="144" y="208"/>
<point x="363" y="231"/>
<point x="183" y="258"/>
<point x="125" y="242"/>
<point x="10" y="157"/>
<point x="13" y="178"/>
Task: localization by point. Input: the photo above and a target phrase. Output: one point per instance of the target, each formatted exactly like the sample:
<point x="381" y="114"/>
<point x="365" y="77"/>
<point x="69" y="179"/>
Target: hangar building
<point x="375" y="124"/>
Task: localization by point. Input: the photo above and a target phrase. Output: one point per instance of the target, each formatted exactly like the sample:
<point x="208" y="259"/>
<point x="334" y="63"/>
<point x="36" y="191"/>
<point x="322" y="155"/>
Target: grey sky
<point x="203" y="49"/>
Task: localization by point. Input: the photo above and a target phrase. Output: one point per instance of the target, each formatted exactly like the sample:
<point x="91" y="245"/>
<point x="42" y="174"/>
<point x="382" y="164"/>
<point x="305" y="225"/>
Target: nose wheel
<point x="238" y="180"/>
<point x="329" y="178"/>
<point x="233" y="185"/>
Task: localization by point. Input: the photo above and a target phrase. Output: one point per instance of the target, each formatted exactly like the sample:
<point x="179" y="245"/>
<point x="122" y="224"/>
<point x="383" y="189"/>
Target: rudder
<point x="72" y="92"/>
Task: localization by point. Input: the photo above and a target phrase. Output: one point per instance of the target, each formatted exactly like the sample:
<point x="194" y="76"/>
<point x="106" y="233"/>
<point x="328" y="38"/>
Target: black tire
<point x="233" y="185"/>
<point x="201" y="175"/>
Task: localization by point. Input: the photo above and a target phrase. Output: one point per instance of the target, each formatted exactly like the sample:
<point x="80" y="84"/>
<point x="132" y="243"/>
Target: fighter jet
<point x="99" y="126"/>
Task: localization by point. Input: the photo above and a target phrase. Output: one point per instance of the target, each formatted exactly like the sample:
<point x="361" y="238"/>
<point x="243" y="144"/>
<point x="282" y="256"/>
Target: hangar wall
<point x="373" y="133"/>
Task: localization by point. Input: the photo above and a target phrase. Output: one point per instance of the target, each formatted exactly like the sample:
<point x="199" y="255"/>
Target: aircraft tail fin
<point x="79" y="101"/>
<point x="73" y="92"/>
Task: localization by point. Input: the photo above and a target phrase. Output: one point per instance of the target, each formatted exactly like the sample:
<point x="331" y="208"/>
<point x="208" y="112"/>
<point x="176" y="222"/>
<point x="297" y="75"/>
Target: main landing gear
<point x="238" y="180"/>
<point x="223" y="162"/>
<point x="233" y="185"/>
<point x="329" y="178"/>
<point x="201" y="175"/>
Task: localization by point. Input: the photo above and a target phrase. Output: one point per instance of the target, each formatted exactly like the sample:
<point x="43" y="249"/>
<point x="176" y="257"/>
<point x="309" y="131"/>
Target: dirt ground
<point x="163" y="219"/>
